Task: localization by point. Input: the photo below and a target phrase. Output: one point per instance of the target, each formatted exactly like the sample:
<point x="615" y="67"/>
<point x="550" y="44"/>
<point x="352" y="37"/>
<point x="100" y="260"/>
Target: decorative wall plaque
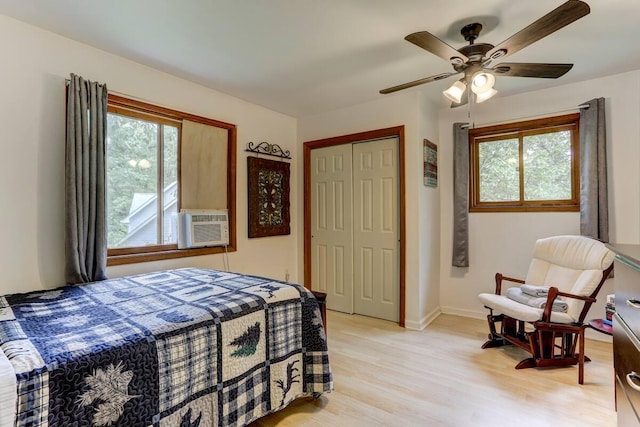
<point x="268" y="182"/>
<point x="430" y="163"/>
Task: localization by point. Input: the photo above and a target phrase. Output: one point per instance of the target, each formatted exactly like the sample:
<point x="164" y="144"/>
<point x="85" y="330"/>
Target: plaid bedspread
<point x="187" y="347"/>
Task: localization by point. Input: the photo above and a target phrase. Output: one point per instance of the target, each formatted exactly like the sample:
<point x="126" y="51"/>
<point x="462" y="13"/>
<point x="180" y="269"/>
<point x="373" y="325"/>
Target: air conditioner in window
<point x="202" y="228"/>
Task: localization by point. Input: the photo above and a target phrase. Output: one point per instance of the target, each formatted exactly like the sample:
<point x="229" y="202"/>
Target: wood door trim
<point x="397" y="131"/>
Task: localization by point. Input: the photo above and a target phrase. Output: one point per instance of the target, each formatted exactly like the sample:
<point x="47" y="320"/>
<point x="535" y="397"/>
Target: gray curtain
<point x="594" y="205"/>
<point x="460" y="256"/>
<point x="85" y="224"/>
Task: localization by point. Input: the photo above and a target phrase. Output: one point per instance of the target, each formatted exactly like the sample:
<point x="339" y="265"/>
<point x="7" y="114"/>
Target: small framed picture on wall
<point x="430" y="156"/>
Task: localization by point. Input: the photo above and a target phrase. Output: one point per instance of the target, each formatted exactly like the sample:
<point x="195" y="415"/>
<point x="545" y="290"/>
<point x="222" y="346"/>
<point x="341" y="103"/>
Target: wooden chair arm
<point x="574" y="296"/>
<point x="500" y="278"/>
<point x="565" y="327"/>
<point x="553" y="294"/>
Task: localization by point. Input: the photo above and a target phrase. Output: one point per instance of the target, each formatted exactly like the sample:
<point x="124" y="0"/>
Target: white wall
<point x="36" y="63"/>
<point x="428" y="223"/>
<point x="32" y="117"/>
<point x="502" y="242"/>
<point x="422" y="204"/>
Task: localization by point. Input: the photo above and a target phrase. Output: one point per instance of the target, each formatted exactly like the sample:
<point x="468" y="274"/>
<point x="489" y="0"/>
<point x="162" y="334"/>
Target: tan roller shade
<point x="203" y="166"/>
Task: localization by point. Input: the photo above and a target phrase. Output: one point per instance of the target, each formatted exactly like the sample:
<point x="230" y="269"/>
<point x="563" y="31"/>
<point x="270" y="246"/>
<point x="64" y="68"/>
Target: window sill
<point x="165" y="254"/>
<point x="557" y="208"/>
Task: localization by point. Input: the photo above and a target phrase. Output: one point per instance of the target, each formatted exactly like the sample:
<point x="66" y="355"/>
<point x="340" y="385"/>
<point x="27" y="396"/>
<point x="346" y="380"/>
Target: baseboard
<point x="591" y="334"/>
<point x="424" y="322"/>
<point x="482" y="315"/>
<point x="465" y="313"/>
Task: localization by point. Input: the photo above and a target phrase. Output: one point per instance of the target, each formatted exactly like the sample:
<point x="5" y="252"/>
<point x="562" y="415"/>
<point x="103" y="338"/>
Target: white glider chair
<point x="571" y="269"/>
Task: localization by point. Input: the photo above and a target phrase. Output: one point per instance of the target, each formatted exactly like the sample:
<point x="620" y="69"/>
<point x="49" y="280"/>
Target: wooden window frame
<point x="138" y="109"/>
<point x="518" y="130"/>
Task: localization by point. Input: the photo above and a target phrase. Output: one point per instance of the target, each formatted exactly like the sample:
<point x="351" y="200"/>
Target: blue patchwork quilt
<point x="186" y="347"/>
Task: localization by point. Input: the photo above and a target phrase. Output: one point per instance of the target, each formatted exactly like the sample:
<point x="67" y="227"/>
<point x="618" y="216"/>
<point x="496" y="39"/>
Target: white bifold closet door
<point x="331" y="226"/>
<point x="355" y="227"/>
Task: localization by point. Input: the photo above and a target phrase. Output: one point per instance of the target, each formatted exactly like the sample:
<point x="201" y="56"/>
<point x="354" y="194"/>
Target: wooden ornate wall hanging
<point x="268" y="182"/>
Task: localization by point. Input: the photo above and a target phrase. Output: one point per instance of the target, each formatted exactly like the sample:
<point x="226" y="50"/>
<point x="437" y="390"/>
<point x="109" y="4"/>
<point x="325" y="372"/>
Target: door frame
<point x="397" y="131"/>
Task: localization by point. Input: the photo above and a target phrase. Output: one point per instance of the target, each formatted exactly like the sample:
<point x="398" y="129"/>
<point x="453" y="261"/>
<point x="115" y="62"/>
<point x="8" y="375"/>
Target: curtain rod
<point x="115" y="92"/>
<point x="126" y="95"/>
<point x="579" y="107"/>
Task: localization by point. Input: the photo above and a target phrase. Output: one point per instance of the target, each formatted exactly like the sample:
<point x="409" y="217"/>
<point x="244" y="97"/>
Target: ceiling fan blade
<point x="431" y="43"/>
<point x="524" y="69"/>
<point x="560" y="17"/>
<point x="417" y="82"/>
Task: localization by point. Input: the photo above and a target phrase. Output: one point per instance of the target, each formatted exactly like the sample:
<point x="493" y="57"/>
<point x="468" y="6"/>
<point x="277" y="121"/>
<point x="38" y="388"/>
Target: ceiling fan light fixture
<point x="474" y="59"/>
<point x="482" y="82"/>
<point x="483" y="96"/>
<point x="454" y="93"/>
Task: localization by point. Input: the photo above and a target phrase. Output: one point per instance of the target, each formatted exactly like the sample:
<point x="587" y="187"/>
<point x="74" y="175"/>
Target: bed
<point x="186" y="347"/>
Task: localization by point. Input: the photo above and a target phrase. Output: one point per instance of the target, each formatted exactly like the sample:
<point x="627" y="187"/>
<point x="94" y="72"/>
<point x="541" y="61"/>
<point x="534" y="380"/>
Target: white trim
<point x="465" y="313"/>
<point x="482" y="315"/>
<point x="594" y="335"/>
<point x="424" y="322"/>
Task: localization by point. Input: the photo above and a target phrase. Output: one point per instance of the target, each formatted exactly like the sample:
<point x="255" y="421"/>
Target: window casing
<point x="144" y="228"/>
<point x="525" y="166"/>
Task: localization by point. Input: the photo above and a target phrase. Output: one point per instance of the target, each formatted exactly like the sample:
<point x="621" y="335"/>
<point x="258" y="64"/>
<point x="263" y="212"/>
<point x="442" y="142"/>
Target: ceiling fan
<point x="474" y="59"/>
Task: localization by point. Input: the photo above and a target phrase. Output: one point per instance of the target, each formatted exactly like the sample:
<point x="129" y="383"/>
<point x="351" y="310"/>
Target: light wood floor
<point x="385" y="375"/>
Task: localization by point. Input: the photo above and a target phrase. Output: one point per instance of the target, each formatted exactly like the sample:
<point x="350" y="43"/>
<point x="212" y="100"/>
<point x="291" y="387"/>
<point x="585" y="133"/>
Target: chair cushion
<point x="574" y="252"/>
<point x="503" y="305"/>
<point x="573" y="264"/>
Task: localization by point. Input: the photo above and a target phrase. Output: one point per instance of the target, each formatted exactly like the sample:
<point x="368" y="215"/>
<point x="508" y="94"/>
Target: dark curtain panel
<point x="594" y="205"/>
<point x="85" y="216"/>
<point x="460" y="255"/>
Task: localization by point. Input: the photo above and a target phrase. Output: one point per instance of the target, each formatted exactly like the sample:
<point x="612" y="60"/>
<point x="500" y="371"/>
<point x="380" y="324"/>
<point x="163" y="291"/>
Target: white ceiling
<point x="303" y="57"/>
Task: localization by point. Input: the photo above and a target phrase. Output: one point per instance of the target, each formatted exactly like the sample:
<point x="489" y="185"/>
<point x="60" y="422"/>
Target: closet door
<point x="331" y="225"/>
<point x="376" y="229"/>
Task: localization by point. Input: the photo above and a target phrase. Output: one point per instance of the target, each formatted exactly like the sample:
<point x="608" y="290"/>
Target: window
<point x="142" y="181"/>
<point x="146" y="185"/>
<point x="525" y="166"/>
